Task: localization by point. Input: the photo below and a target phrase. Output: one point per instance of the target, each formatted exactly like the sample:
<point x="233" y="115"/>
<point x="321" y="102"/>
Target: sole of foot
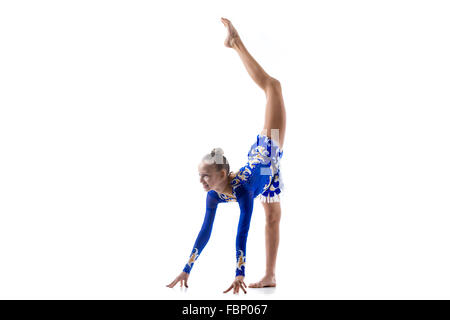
<point x="232" y="36"/>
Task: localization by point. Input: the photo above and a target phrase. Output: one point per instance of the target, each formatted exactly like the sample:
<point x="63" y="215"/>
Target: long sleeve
<point x="205" y="232"/>
<point x="245" y="200"/>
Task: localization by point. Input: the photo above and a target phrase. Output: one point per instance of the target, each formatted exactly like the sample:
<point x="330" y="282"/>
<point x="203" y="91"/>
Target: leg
<point x="275" y="116"/>
<point x="275" y="120"/>
<point x="273" y="216"/>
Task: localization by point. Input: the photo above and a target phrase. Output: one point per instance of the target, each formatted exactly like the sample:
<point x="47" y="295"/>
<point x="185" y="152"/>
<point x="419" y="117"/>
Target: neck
<point x="226" y="187"/>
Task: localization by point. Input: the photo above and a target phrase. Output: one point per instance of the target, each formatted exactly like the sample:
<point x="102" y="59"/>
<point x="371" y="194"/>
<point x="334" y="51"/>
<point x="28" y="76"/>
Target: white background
<point x="106" y="108"/>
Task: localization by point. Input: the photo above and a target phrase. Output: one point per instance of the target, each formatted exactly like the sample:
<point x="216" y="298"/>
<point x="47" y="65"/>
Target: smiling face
<point x="210" y="178"/>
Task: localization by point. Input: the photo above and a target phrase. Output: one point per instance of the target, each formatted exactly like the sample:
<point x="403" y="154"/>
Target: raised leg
<point x="275" y="119"/>
<point x="275" y="113"/>
<point x="273" y="217"/>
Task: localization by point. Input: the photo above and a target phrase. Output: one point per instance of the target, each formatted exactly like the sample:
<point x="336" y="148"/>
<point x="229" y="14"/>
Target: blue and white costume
<point x="260" y="177"/>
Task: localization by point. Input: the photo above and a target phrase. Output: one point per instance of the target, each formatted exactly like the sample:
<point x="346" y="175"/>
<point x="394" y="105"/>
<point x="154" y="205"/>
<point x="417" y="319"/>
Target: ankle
<point x="237" y="44"/>
<point x="270" y="276"/>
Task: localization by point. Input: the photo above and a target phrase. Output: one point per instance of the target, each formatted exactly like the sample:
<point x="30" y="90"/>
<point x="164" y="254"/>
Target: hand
<point x="237" y="284"/>
<point x="182" y="277"/>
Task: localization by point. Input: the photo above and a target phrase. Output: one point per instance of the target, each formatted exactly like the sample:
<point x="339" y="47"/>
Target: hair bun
<point x="217" y="158"/>
<point x="217" y="152"/>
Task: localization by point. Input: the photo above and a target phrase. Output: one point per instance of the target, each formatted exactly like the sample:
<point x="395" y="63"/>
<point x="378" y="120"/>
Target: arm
<point x="205" y="232"/>
<point x="245" y="200"/>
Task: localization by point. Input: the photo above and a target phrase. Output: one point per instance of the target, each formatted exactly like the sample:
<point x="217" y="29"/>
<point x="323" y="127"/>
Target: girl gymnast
<point x="260" y="177"/>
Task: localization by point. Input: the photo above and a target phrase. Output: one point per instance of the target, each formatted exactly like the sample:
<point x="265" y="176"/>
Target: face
<point x="210" y="178"/>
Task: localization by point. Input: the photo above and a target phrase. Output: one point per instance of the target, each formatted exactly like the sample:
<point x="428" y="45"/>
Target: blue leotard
<point x="260" y="177"/>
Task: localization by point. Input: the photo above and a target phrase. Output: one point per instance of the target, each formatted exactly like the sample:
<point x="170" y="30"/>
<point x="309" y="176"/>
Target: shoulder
<point x="244" y="192"/>
<point x="212" y="198"/>
<point x="211" y="194"/>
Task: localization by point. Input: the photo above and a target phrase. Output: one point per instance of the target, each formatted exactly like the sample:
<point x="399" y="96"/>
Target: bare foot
<point x="266" y="281"/>
<point x="232" y="37"/>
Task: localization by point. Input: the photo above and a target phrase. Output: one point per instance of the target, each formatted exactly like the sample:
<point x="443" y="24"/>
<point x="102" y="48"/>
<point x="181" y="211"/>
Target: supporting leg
<point x="273" y="217"/>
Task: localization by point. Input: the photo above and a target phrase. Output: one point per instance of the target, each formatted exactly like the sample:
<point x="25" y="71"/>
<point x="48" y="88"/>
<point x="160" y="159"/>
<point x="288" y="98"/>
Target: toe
<point x="256" y="285"/>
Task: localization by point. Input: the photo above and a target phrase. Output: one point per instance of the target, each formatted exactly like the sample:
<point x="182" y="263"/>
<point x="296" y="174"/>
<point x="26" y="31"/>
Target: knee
<point x="273" y="219"/>
<point x="273" y="84"/>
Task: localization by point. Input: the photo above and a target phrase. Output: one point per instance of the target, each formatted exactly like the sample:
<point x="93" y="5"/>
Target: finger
<point x="228" y="289"/>
<point x="243" y="288"/>
<point x="174" y="282"/>
<point x="185" y="283"/>
<point x="181" y="283"/>
<point x="244" y="284"/>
